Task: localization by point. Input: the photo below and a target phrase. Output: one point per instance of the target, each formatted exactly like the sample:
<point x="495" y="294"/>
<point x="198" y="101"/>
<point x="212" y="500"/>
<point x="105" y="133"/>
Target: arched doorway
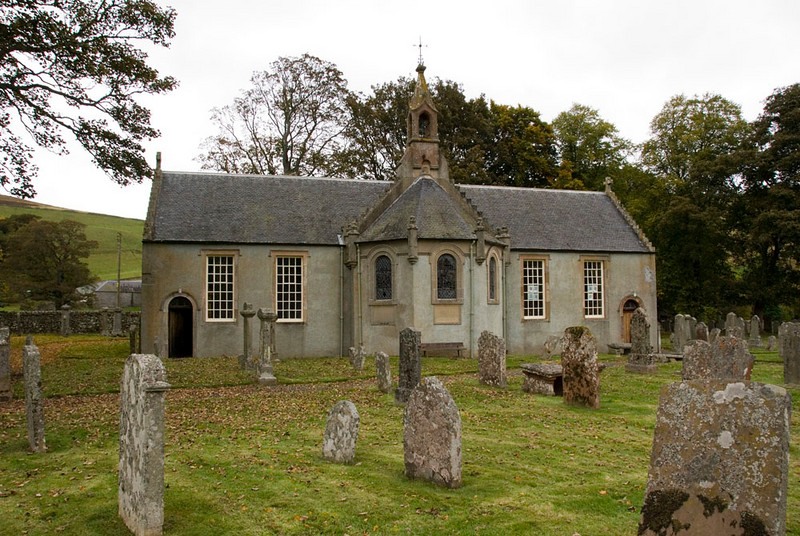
<point x="181" y="324"/>
<point x="628" y="309"/>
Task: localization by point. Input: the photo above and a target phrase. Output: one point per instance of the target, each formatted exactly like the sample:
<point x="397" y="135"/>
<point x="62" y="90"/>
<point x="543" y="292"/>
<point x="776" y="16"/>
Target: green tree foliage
<point x="589" y="148"/>
<point x="290" y="121"/>
<point x="43" y="260"/>
<point x="77" y="66"/>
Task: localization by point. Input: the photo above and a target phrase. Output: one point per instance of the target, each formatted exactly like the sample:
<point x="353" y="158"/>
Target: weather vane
<point x="420" y="45"/>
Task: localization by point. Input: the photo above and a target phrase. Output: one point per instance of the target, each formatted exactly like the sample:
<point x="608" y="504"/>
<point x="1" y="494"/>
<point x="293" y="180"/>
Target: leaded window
<point x="533" y="289"/>
<point x="446" y="277"/>
<point x="383" y="278"/>
<point x="219" y="288"/>
<point x="593" y="289"/>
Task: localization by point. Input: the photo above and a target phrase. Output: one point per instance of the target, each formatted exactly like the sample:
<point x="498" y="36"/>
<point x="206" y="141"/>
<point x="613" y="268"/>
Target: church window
<point x="593" y="289"/>
<point x="289" y="287"/>
<point x="446" y="277"/>
<point x="533" y="288"/>
<point x="492" y="292"/>
<point x="424" y="125"/>
<point x="219" y="288"/>
<point x="383" y="278"/>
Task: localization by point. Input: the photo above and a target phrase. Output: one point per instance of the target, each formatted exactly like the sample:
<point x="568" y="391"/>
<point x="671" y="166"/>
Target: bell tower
<point x="422" y="145"/>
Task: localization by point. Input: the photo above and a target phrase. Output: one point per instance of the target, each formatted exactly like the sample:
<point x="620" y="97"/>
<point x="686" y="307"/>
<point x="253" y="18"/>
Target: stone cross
<point x="264" y="371"/>
<point x="492" y="360"/>
<point x="246" y="361"/>
<point x="410" y="364"/>
<point x="720" y="459"/>
<point x="341" y="433"/>
<point x="726" y="358"/>
<point x="579" y="364"/>
<point x="383" y="371"/>
<point x="432" y="435"/>
<point x="6" y="393"/>
<point x="641" y="358"/>
<point x="34" y="401"/>
<point x="141" y="444"/>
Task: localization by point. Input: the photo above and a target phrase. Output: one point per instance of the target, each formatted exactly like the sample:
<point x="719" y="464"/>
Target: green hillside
<point x="99" y="227"/>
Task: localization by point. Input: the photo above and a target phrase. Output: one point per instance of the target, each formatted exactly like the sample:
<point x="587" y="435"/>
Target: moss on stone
<point x="659" y="507"/>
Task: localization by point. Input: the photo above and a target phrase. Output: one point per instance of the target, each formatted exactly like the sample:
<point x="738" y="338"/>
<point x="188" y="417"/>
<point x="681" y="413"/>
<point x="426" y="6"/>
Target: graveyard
<point x="241" y="457"/>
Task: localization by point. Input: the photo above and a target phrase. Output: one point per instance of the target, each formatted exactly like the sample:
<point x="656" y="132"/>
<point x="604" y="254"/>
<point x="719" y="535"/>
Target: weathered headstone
<point x="720" y="460"/>
<point x="755" y="332"/>
<point x="141" y="444"/>
<point x="247" y="360"/>
<point x="383" y="372"/>
<point x="34" y="401"/>
<point x="492" y="360"/>
<point x="341" y="433"/>
<point x="772" y="343"/>
<point x="66" y="329"/>
<point x="701" y="332"/>
<point x="679" y="333"/>
<point x="116" y="328"/>
<point x="790" y="344"/>
<point x="641" y="359"/>
<point x="714" y="334"/>
<point x="579" y="363"/>
<point x="357" y="358"/>
<point x="552" y="345"/>
<point x="432" y="435"/>
<point x="543" y="378"/>
<point x="410" y="364"/>
<point x="691" y="328"/>
<point x="731" y="323"/>
<point x="6" y="393"/>
<point x="264" y="370"/>
<point x="783" y="332"/>
<point x="726" y="358"/>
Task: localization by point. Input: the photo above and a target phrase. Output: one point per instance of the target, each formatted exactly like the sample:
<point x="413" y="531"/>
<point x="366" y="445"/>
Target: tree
<point x="43" y="260"/>
<point x="73" y="66"/>
<point x="589" y="147"/>
<point x="291" y="121"/>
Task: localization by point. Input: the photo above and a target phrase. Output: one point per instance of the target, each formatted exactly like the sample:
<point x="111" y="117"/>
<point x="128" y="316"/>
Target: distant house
<point x="105" y="293"/>
<point x="350" y="262"/>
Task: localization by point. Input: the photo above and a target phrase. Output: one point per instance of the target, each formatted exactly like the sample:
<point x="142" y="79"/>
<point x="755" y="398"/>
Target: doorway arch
<point x="629" y="306"/>
<point x="180" y="327"/>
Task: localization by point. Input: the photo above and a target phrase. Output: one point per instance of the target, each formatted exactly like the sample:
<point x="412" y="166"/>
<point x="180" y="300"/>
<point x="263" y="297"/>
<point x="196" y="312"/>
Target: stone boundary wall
<point x="80" y="322"/>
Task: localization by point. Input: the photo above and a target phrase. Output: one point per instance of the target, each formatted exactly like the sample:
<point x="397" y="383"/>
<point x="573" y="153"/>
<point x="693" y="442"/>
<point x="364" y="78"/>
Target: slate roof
<point x="249" y="209"/>
<point x="437" y="214"/>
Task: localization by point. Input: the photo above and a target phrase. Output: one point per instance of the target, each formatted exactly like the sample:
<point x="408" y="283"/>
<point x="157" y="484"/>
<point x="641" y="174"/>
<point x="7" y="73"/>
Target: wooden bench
<point x="437" y="348"/>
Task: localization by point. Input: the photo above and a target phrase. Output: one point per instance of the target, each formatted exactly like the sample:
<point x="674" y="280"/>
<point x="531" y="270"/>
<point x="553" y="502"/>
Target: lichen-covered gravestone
<point x="727" y="358"/>
<point x="341" y="433"/>
<point x="641" y="359"/>
<point x="383" y="372"/>
<point x="410" y="364"/>
<point x="432" y="435"/>
<point x="141" y="444"/>
<point x="701" y="332"/>
<point x="579" y="364"/>
<point x="492" y="360"/>
<point x="720" y="460"/>
<point x="34" y="401"/>
<point x="6" y="393"/>
<point x="266" y="345"/>
<point x="357" y="357"/>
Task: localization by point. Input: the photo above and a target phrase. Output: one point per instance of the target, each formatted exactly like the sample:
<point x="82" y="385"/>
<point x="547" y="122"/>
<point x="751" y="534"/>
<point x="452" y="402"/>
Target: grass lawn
<point x="243" y="459"/>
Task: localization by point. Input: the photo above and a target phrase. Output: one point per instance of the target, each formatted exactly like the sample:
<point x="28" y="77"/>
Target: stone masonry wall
<point x="34" y="322"/>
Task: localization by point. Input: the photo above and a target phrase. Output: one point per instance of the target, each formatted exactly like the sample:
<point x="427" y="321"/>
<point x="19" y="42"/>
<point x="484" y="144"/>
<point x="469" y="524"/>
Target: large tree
<point x="290" y="121"/>
<point x="76" y="67"/>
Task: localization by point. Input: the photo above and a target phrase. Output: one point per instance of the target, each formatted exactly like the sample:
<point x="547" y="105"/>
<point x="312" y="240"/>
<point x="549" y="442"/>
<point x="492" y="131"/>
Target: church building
<point x="346" y="263"/>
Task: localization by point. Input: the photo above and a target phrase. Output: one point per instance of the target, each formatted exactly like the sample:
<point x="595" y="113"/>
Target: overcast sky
<point x="625" y="58"/>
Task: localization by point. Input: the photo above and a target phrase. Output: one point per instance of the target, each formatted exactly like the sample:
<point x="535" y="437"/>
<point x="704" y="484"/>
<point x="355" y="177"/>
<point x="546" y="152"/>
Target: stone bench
<point x="546" y="378"/>
<point x="437" y="348"/>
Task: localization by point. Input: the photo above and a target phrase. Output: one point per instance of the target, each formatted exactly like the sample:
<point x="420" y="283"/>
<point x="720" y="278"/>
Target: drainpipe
<point x="341" y="296"/>
<point x="360" y="341"/>
<point x="471" y="299"/>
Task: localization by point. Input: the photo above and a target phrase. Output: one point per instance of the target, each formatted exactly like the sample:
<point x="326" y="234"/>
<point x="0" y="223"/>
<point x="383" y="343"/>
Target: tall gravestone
<point x="6" y="392"/>
<point x="141" y="444"/>
<point x="247" y="360"/>
<point x="679" y="331"/>
<point x="720" y="460"/>
<point x="755" y="332"/>
<point x="579" y="364"/>
<point x="783" y="333"/>
<point x="267" y="334"/>
<point x="432" y="435"/>
<point x="731" y="324"/>
<point x="383" y="372"/>
<point x="341" y="433"/>
<point x="641" y="359"/>
<point x="727" y="358"/>
<point x="790" y="346"/>
<point x="410" y="364"/>
<point x="34" y="401"/>
<point x="492" y="360"/>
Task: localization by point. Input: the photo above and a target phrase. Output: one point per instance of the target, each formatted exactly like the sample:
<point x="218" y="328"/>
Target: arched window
<point x="424" y="125"/>
<point x="446" y="277"/>
<point x="492" y="279"/>
<point x="383" y="278"/>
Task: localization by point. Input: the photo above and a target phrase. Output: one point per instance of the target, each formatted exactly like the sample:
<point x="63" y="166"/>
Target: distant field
<point x="99" y="227"/>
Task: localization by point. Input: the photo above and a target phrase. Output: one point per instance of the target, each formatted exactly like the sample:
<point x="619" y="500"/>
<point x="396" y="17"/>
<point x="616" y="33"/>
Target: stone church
<point x="353" y="262"/>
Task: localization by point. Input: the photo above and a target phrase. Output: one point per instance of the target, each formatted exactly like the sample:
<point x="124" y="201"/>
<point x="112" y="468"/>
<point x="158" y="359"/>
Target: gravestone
<point x="247" y="361"/>
<point x="141" y="444"/>
<point x="772" y="343"/>
<point x="731" y="325"/>
<point x="34" y="401"/>
<point x="341" y="433"/>
<point x="6" y="393"/>
<point x="66" y="329"/>
<point x="267" y="334"/>
<point x="432" y="435"/>
<point x="755" y="332"/>
<point x="579" y="364"/>
<point x="783" y="332"/>
<point x="727" y="358"/>
<point x="680" y="333"/>
<point x="790" y="345"/>
<point x="691" y="327"/>
<point x="701" y="332"/>
<point x="357" y="357"/>
<point x="641" y="359"/>
<point x="720" y="456"/>
<point x="552" y="345"/>
<point x="714" y="334"/>
<point x="543" y="379"/>
<point x="383" y="372"/>
<point x="492" y="360"/>
<point x="116" y="327"/>
<point x="410" y="364"/>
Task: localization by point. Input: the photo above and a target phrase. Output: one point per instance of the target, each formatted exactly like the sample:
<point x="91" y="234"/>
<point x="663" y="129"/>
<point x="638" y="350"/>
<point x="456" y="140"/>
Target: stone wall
<point x="34" y="322"/>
